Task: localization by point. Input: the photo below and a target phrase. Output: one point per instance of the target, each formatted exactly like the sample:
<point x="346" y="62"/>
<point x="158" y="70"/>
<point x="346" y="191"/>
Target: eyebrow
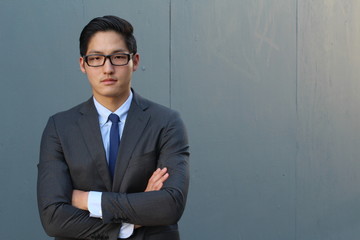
<point x="121" y="50"/>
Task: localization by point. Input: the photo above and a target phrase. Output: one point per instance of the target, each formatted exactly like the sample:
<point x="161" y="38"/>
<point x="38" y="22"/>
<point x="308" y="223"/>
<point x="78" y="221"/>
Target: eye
<point x="95" y="58"/>
<point x="119" y="57"/>
<point x="92" y="58"/>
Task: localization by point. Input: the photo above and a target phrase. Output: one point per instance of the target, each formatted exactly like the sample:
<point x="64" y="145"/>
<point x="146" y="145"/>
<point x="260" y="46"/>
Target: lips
<point x="109" y="81"/>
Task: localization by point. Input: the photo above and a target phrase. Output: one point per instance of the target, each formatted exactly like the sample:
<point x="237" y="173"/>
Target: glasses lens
<point x="95" y="60"/>
<point x="119" y="59"/>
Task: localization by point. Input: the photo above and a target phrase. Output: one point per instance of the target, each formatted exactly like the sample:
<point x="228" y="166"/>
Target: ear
<point x="82" y="64"/>
<point x="136" y="62"/>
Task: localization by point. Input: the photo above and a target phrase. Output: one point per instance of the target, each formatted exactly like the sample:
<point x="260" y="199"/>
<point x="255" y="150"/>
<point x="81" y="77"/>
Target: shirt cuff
<point x="94" y="204"/>
<point x="126" y="230"/>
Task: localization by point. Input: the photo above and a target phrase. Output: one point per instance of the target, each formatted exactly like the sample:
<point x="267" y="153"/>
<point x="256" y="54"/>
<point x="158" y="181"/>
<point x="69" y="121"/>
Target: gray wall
<point x="269" y="90"/>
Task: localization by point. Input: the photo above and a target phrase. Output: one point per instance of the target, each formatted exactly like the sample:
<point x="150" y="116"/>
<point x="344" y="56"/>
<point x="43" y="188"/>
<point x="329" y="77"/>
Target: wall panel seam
<point x="170" y="62"/>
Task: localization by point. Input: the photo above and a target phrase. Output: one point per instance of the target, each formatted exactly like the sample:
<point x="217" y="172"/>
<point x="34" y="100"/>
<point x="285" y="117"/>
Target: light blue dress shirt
<point x="94" y="199"/>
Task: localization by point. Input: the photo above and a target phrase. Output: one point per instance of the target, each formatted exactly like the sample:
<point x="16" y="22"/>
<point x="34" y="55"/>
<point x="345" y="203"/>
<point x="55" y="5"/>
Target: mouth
<point x="108" y="81"/>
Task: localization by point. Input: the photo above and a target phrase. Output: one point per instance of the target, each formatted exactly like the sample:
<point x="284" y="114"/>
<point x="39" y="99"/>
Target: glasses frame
<point x="129" y="57"/>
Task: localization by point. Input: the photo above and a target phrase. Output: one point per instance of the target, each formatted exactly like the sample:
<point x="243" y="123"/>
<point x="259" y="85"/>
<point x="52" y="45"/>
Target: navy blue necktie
<point x="114" y="142"/>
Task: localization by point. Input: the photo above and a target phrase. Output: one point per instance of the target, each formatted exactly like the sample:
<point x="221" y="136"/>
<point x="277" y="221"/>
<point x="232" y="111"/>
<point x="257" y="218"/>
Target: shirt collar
<point x="121" y="111"/>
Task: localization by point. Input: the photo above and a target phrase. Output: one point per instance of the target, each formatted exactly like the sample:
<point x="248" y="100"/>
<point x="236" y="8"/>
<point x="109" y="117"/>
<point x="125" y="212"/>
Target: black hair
<point x="108" y="23"/>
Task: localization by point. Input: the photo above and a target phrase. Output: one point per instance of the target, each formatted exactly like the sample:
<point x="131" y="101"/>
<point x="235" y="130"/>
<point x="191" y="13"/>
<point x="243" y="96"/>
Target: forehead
<point x="106" y="43"/>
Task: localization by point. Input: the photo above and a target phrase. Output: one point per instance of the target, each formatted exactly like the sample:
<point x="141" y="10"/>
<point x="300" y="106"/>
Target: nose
<point x="108" y="67"/>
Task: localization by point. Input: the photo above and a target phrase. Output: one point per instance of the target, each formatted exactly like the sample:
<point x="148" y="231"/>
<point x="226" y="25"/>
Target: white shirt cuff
<point x="126" y="230"/>
<point x="94" y="204"/>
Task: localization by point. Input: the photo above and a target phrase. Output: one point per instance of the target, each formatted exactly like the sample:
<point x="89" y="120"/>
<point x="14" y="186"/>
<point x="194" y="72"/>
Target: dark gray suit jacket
<point x="72" y="156"/>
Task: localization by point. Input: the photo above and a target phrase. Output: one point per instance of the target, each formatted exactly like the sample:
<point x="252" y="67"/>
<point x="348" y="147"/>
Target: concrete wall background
<point x="269" y="91"/>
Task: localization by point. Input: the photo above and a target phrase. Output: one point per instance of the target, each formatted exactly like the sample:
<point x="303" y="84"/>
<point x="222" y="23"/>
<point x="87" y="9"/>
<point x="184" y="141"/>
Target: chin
<point x="112" y="93"/>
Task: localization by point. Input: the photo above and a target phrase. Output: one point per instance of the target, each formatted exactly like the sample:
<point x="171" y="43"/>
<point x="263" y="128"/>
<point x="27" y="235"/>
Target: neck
<point x="112" y="103"/>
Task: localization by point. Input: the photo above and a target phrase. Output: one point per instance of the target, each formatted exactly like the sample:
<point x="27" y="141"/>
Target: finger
<point x="153" y="187"/>
<point x="161" y="178"/>
<point x="157" y="174"/>
<point x="154" y="175"/>
<point x="159" y="184"/>
<point x="156" y="180"/>
<point x="165" y="177"/>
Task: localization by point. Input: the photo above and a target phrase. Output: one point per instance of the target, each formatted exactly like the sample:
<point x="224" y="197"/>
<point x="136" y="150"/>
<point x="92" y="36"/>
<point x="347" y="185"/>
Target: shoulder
<point x="74" y="111"/>
<point x="68" y="119"/>
<point x="156" y="110"/>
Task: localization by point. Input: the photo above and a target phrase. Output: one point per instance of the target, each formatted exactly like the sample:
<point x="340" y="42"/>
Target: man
<point x="115" y="166"/>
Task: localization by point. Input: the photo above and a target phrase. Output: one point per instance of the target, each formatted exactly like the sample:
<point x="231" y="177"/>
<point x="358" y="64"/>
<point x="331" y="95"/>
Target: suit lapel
<point x="89" y="125"/>
<point x="136" y="122"/>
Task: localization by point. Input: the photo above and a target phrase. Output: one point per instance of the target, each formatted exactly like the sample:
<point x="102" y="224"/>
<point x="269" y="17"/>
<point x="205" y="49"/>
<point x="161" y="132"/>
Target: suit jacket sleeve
<point x="54" y="192"/>
<point x="162" y="207"/>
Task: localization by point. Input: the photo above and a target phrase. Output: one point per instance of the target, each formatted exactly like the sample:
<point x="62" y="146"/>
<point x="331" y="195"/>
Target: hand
<point x="157" y="180"/>
<point x="80" y="199"/>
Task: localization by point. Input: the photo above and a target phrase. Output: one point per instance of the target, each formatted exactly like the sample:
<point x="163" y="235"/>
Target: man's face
<point x="109" y="82"/>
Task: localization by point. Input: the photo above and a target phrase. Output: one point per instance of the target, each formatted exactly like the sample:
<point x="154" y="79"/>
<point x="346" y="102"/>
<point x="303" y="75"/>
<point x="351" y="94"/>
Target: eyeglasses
<point x="116" y="59"/>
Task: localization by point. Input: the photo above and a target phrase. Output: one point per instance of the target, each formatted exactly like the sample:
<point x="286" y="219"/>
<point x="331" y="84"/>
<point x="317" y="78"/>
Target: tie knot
<point x="114" y="118"/>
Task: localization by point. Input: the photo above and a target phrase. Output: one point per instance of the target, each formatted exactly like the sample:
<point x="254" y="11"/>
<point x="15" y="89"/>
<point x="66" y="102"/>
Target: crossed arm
<point x="155" y="183"/>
